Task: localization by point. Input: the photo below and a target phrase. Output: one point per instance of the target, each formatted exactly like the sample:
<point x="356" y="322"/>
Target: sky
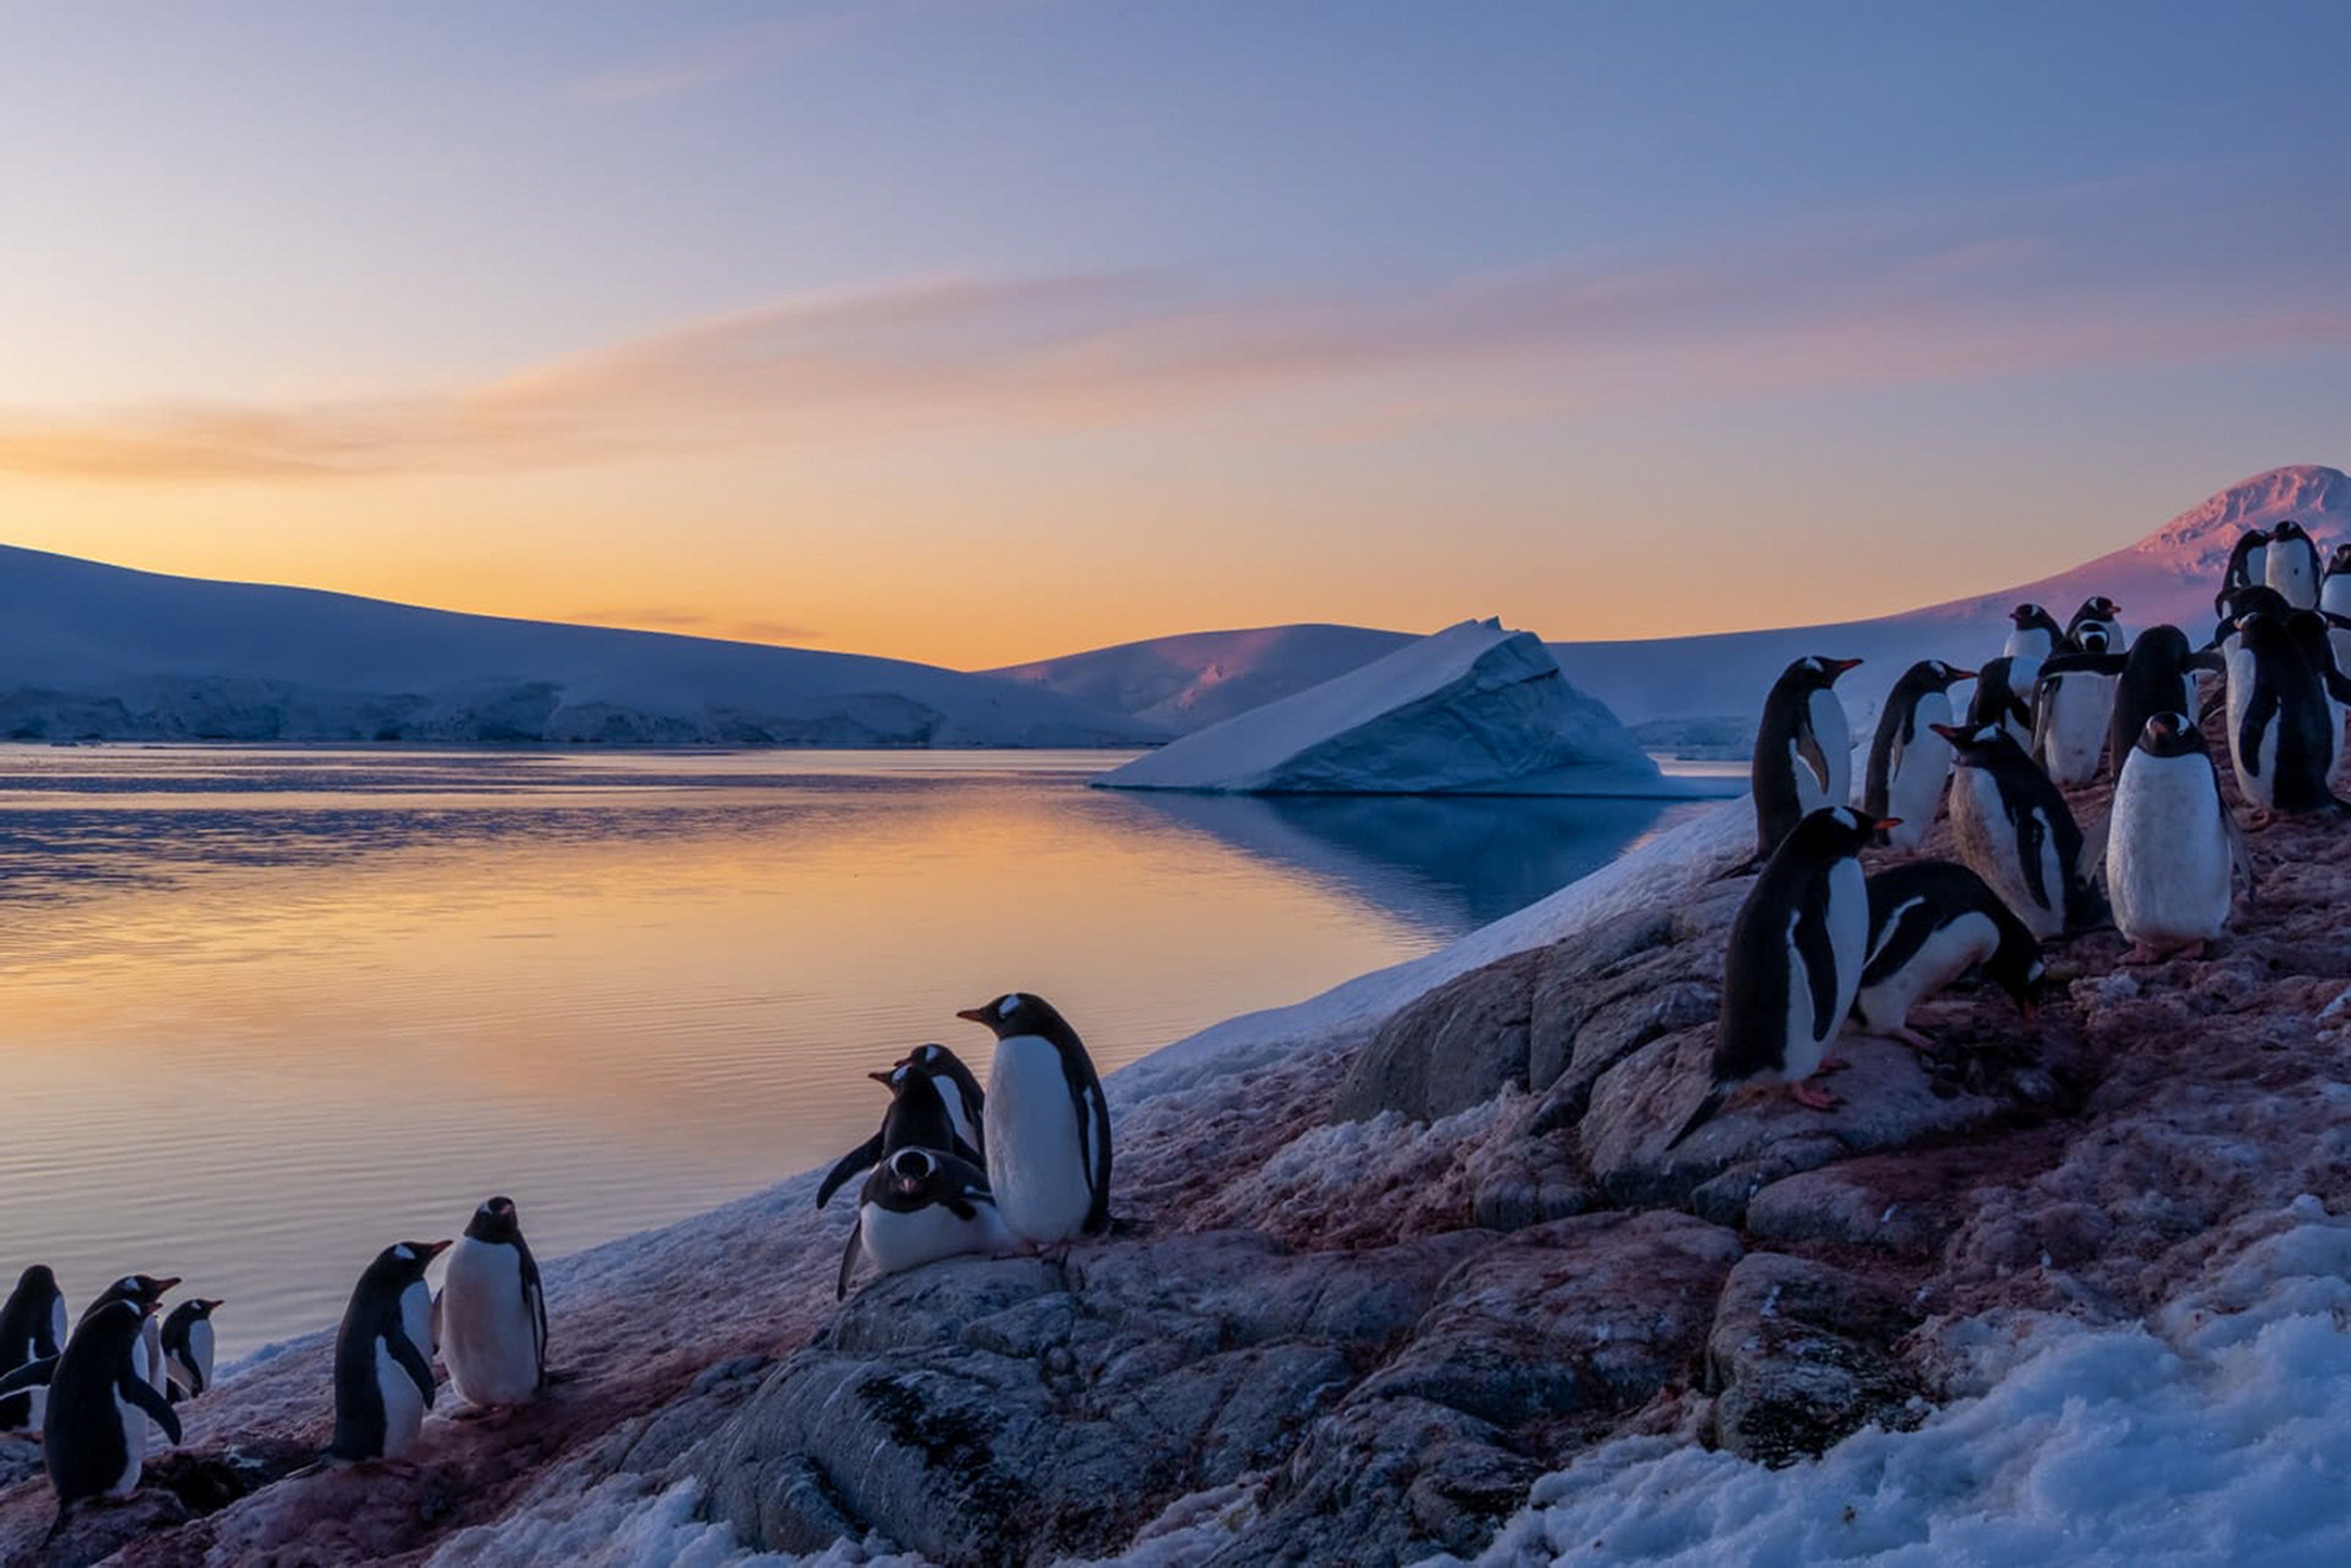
<point x="976" y="331"/>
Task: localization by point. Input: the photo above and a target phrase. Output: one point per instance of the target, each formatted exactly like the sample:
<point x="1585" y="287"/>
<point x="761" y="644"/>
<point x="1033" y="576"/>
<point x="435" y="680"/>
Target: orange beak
<point x="1963" y="674"/>
<point x="882" y="1078"/>
<point x="1884" y="823"/>
<point x="977" y="1015"/>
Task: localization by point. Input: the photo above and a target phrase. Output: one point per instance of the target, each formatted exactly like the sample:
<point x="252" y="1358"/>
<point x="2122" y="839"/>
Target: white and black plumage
<point x="921" y="1116"/>
<point x="2291" y="565"/>
<point x="1908" y="762"/>
<point x="492" y="1311"/>
<point x="142" y="1290"/>
<point x="1929" y="923"/>
<point x="32" y="1328"/>
<point x="94" y="1428"/>
<point x="2012" y="828"/>
<point x="967" y="1101"/>
<point x="2246" y="568"/>
<point x="2097" y="628"/>
<point x="1996" y="699"/>
<point x="188" y="1348"/>
<point x="2172" y="847"/>
<point x="2335" y="603"/>
<point x="1794" y="961"/>
<point x="383" y="1357"/>
<point x="2073" y="708"/>
<point x="1804" y="749"/>
<point x="2033" y="634"/>
<point x="1047" y="1124"/>
<point x="2282" y="692"/>
<point x="919" y="1206"/>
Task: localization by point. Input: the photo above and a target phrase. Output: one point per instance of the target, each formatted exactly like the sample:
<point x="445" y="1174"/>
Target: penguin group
<point x="1819" y="944"/>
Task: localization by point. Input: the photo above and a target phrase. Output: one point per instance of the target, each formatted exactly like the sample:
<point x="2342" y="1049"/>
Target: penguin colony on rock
<point x="1025" y="1163"/>
<point x="1817" y="944"/>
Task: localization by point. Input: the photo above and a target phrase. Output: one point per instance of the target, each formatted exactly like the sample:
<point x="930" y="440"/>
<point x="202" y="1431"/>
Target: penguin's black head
<point x="39" y="1279"/>
<point x="1817" y="670"/>
<point x="2339" y="562"/>
<point x="1980" y="747"/>
<point x="496" y="1220"/>
<point x="195" y="1310"/>
<point x="2255" y="599"/>
<point x="1837" y="831"/>
<point x="2170" y="735"/>
<point x="2015" y="967"/>
<point x="2097" y="608"/>
<point x="2288" y="530"/>
<point x="140" y="1290"/>
<point x="2091" y="638"/>
<point x="404" y="1260"/>
<point x="895" y="1079"/>
<point x="1018" y="1013"/>
<point x="1945" y="676"/>
<point x="2025" y="615"/>
<point x="910" y="1169"/>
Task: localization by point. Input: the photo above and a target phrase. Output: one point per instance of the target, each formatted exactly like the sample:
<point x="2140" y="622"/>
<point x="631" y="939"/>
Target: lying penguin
<point x="919" y="1206"/>
<point x="2172" y="846"/>
<point x="1929" y="923"/>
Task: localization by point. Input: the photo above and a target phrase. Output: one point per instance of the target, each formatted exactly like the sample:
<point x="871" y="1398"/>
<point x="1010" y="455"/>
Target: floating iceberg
<point x="1473" y="709"/>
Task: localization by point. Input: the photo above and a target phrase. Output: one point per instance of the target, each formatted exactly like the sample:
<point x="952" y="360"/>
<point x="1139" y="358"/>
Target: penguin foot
<point x="1913" y="1039"/>
<point x="1830" y="1064"/>
<point x="2261" y="819"/>
<point x="1808" y="1093"/>
<point x="2142" y="953"/>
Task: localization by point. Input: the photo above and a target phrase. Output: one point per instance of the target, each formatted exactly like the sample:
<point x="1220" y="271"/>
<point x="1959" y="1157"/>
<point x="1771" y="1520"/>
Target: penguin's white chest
<point x="1036" y="1150"/>
<point x="1809" y="1033"/>
<point x="2292" y="572"/>
<point x="489" y="1327"/>
<point x="2167" y="852"/>
<point x="897" y="1240"/>
<point x="2074" y="730"/>
<point x="958" y="1114"/>
<point x="134" y="1446"/>
<point x="2257" y="768"/>
<point x="1915" y="772"/>
<point x="403" y="1402"/>
<point x="1834" y="738"/>
<point x="147" y="1361"/>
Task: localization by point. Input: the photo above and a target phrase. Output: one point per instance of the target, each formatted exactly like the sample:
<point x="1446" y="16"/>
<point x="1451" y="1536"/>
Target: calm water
<point x="269" y="1010"/>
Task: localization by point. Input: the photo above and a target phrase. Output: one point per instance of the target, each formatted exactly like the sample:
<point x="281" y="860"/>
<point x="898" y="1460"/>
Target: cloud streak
<point x="2097" y="283"/>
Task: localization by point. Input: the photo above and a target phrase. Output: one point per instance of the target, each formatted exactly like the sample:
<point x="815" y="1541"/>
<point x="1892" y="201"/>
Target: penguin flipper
<point x="32" y="1374"/>
<point x="2031" y="830"/>
<point x="1808" y="746"/>
<point x="1707" y="1107"/>
<point x="411" y="1361"/>
<point x="848" y="1260"/>
<point x="863" y="1157"/>
<point x="139" y="1392"/>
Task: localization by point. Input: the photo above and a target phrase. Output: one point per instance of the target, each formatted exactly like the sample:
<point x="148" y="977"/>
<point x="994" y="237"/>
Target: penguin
<point x="142" y="1290"/>
<point x="1803" y="750"/>
<point x="2246" y="568"/>
<point x="2291" y="565"/>
<point x="1929" y="923"/>
<point x="32" y="1328"/>
<point x="2171" y="846"/>
<point x="1797" y="947"/>
<point x="2282" y="718"/>
<point x="2157" y="675"/>
<point x="493" y="1311"/>
<point x="2014" y="829"/>
<point x="2097" y="628"/>
<point x="383" y="1357"/>
<point x="918" y="1205"/>
<point x="1047" y="1125"/>
<point x="921" y="1116"/>
<point x="1908" y="762"/>
<point x="2033" y="634"/>
<point x="2335" y="603"/>
<point x="2074" y="701"/>
<point x="188" y="1348"/>
<point x="94" y="1430"/>
<point x="966" y="1102"/>
<point x="1997" y="699"/>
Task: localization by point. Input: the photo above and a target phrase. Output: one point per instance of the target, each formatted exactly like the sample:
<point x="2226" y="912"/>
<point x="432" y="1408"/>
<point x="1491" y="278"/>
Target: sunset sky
<point x="978" y="330"/>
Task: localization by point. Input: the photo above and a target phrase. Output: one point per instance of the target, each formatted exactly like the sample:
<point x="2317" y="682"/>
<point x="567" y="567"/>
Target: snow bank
<point x="2220" y="1434"/>
<point x="1471" y="709"/>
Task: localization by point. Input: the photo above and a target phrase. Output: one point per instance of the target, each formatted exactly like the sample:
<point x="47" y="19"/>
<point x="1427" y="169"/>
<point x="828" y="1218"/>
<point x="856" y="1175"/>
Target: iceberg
<point x="1473" y="709"/>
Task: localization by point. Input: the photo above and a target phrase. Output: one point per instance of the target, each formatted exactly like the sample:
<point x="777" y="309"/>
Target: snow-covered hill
<point x="89" y="650"/>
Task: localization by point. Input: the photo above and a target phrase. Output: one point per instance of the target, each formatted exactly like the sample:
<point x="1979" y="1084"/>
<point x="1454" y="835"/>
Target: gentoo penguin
<point x="2073" y="703"/>
<point x="2335" y="603"/>
<point x="2246" y="568"/>
<point x="2291" y="565"/>
<point x="1795" y="958"/>
<point x="2282" y="721"/>
<point x="188" y="1348"/>
<point x="1908" y="762"/>
<point x="966" y="1102"/>
<point x="2012" y="828"/>
<point x="1803" y="750"/>
<point x="142" y="1290"/>
<point x="32" y="1328"/>
<point x="2097" y="628"/>
<point x="1047" y="1125"/>
<point x="2033" y="634"/>
<point x="2171" y="844"/>
<point x="1929" y="923"/>
<point x="94" y="1430"/>
<point x="1998" y="699"/>
<point x="918" y="1205"/>
<point x="383" y="1357"/>
<point x="919" y="1117"/>
<point x="493" y="1311"/>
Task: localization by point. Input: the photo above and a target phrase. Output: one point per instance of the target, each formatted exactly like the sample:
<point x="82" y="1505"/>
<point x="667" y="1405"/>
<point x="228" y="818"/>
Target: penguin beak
<point x="437" y="1248"/>
<point x="1839" y="666"/>
<point x="1950" y="732"/>
<point x="1887" y="824"/>
<point x="164" y="1285"/>
<point x="1963" y="674"/>
<point x="884" y="1078"/>
<point x="977" y="1015"/>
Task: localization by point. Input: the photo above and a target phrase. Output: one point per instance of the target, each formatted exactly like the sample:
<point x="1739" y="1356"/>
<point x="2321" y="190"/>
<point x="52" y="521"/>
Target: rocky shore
<point x="1372" y="1288"/>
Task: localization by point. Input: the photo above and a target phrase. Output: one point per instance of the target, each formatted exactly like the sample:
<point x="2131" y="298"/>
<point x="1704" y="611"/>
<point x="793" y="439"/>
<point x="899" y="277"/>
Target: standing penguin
<point x="2291" y="565"/>
<point x="1048" y="1124"/>
<point x="2335" y="603"/>
<point x="966" y="1102"/>
<point x="2097" y="628"/>
<point x="2159" y="675"/>
<point x="188" y="1348"/>
<point x="1999" y="700"/>
<point x="493" y="1311"/>
<point x="1803" y="750"/>
<point x="2033" y="634"/>
<point x="920" y="1117"/>
<point x="2172" y="845"/>
<point x="2074" y="702"/>
<point x="1908" y="762"/>
<point x="94" y="1431"/>
<point x="2014" y="829"/>
<point x="142" y="1290"/>
<point x="1797" y="947"/>
<point x="2247" y="567"/>
<point x="2282" y="729"/>
<point x="920" y="1206"/>
<point x="383" y="1357"/>
<point x="1929" y="923"/>
<point x="32" y="1328"/>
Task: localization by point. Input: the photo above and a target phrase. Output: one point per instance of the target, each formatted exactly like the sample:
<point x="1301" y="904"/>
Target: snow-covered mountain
<point x="2167" y="575"/>
<point x="89" y="650"/>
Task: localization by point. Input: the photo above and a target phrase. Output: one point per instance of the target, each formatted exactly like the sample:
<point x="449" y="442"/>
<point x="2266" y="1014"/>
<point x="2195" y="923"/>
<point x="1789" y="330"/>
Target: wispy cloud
<point x="692" y="622"/>
<point x="2084" y="287"/>
<point x="732" y="52"/>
